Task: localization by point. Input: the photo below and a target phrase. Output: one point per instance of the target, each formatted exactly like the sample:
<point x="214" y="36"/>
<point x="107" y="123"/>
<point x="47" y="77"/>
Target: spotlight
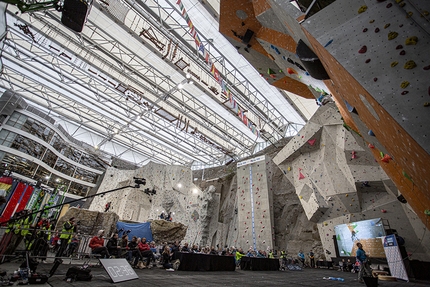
<point x="188" y="76"/>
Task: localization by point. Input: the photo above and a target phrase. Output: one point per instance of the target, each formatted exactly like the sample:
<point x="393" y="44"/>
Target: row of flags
<point x="214" y="71"/>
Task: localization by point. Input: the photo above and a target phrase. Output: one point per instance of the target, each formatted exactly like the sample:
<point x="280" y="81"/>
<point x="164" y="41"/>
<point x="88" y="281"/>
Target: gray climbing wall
<point x="254" y="204"/>
<point x="376" y="48"/>
<point x="338" y="181"/>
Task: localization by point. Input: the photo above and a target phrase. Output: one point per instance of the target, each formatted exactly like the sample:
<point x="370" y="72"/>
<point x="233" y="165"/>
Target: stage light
<point x="179" y="185"/>
<point x="188" y="76"/>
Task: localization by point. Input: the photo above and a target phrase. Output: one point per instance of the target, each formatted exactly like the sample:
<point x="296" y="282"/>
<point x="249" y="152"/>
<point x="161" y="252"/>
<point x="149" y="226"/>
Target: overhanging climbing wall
<point x="254" y="204"/>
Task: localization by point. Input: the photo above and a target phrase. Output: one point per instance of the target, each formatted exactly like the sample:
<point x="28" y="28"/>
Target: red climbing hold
<point x="371" y="146"/>
<point x="402" y="52"/>
<point x="301" y="176"/>
<point x="404" y="92"/>
<point x="389" y="5"/>
<point x="365" y="30"/>
<point x="399" y="47"/>
<point x="427" y="68"/>
<point x="376" y="30"/>
<point x="386" y="158"/>
<point x="363" y="50"/>
<point x="367" y="61"/>
<point x="375" y="79"/>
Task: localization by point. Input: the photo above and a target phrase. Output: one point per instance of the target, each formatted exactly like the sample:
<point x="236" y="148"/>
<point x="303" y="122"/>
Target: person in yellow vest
<point x="271" y="256"/>
<point x="239" y="254"/>
<point x="8" y="237"/>
<point x="69" y="228"/>
<point x="26" y="232"/>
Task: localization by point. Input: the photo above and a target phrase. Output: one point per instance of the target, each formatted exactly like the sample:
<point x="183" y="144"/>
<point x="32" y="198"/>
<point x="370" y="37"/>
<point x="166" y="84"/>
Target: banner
<point x="394" y="258"/>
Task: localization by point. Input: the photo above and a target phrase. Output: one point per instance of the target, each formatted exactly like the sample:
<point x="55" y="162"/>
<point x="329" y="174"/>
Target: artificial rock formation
<point x="167" y="231"/>
<point x="338" y="181"/>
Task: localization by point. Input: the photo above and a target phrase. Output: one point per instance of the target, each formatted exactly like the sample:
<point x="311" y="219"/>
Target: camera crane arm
<point x="24" y="7"/>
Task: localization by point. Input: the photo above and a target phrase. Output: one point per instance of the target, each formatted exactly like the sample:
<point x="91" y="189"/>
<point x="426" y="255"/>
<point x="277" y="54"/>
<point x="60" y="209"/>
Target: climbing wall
<point x="254" y="204"/>
<point x="378" y="63"/>
<point x="175" y="193"/>
<point x="338" y="181"/>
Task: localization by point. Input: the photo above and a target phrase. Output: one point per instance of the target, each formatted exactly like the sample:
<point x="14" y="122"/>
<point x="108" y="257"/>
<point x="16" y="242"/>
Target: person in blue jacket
<point x="364" y="263"/>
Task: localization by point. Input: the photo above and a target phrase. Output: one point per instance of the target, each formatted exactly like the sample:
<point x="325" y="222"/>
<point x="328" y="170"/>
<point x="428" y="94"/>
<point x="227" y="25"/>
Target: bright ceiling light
<point x="195" y="191"/>
<point x="179" y="185"/>
<point x="180" y="86"/>
<point x="188" y="76"/>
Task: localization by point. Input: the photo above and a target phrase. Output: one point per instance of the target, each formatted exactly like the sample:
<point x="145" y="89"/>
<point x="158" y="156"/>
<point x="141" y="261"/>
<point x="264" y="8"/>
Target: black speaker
<point x="248" y="36"/>
<point x="311" y="61"/>
<point x="402" y="199"/>
<point x="74" y="14"/>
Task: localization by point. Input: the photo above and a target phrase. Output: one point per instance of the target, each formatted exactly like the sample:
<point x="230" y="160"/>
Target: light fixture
<point x="195" y="191"/>
<point x="188" y="75"/>
<point x="180" y="86"/>
<point x="47" y="177"/>
<point x="96" y="147"/>
<point x="190" y="82"/>
<point x="179" y="185"/>
<point x="57" y="180"/>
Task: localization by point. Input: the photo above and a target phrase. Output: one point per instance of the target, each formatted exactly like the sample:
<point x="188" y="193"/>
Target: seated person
<point x="97" y="245"/>
<point x="132" y="249"/>
<point x="185" y="248"/>
<point x="250" y="253"/>
<point x="342" y="265"/>
<point x="167" y="256"/>
<point x="213" y="251"/>
<point x="112" y="245"/>
<point x="123" y="243"/>
<point x="73" y="245"/>
<point x="144" y="251"/>
<point x="349" y="265"/>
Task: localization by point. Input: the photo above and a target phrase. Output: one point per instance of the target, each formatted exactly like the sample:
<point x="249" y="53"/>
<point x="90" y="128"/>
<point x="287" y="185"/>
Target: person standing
<point x="312" y="259"/>
<point x="69" y="228"/>
<point x="364" y="263"/>
<point x="301" y="257"/>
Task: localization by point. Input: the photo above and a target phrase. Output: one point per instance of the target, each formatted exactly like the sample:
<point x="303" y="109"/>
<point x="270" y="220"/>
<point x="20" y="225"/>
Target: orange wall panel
<point x="293" y="86"/>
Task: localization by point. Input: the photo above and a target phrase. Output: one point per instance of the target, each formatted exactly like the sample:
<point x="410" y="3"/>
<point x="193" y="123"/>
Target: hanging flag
<point x="202" y="48"/>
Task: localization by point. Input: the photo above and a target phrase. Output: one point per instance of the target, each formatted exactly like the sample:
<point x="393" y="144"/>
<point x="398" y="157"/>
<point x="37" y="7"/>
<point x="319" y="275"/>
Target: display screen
<point x="347" y="235"/>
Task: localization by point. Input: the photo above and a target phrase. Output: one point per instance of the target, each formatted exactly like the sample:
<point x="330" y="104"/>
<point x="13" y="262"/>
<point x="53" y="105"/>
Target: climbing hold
<point x="402" y="53"/>
<point x="291" y="71"/>
<point x="301" y="176"/>
<point x="383" y="211"/>
<point x="389" y="5"/>
<point x="411" y="40"/>
<point x="376" y="30"/>
<point x="426" y="68"/>
<point x="371" y="146"/>
<point x="362" y="9"/>
<point x="346" y="195"/>
<point x="409" y="65"/>
<point x="409" y="15"/>
<point x="392" y="35"/>
<point x="353" y="155"/>
<point x="427" y="104"/>
<point x="404" y="92"/>
<point x="370" y="133"/>
<point x="364" y="30"/>
<point x="363" y="50"/>
<point x="367" y="61"/>
<point x="289" y="168"/>
<point x="402" y="4"/>
<point x="371" y="21"/>
<point x="328" y="43"/>
<point x="301" y="197"/>
<point x="375" y="79"/>
<point x="424" y="13"/>
<point x="386" y="158"/>
<point x="312" y="141"/>
<point x="393" y="64"/>
<point x="404" y="84"/>
<point x="388" y="25"/>
<point x="399" y="47"/>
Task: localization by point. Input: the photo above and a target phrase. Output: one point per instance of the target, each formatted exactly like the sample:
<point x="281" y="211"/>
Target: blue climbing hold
<point x="370" y="133"/>
<point x="328" y="43"/>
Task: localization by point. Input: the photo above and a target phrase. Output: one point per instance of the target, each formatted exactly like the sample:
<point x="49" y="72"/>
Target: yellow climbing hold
<point x="409" y="65"/>
<point x="387" y="25"/>
<point x="362" y="9"/>
<point x="325" y="223"/>
<point x="424" y="13"/>
<point x="346" y="195"/>
<point x="301" y="197"/>
<point x="392" y="35"/>
<point x="289" y="168"/>
<point x="393" y="64"/>
<point x="426" y="104"/>
<point x="371" y="21"/>
<point x="409" y="15"/>
<point x="404" y="84"/>
<point x="402" y="4"/>
<point x="398" y="1"/>
<point x="411" y="40"/>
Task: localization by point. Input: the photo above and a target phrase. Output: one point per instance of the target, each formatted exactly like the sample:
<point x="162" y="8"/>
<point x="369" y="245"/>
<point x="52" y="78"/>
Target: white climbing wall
<point x="254" y="204"/>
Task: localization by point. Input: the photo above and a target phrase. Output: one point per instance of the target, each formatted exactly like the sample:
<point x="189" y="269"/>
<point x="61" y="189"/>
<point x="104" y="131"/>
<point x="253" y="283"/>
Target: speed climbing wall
<point x="254" y="204"/>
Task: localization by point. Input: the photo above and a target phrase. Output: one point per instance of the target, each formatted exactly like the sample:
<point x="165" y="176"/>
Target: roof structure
<point x="134" y="84"/>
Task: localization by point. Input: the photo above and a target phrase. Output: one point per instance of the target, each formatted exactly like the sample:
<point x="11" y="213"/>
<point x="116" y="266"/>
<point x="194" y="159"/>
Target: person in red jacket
<point x="144" y="251"/>
<point x="97" y="245"/>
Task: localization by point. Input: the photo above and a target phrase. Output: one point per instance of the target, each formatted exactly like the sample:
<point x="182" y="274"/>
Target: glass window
<point x="50" y="158"/>
<point x="17" y="120"/>
<point x="86" y="175"/>
<point x="91" y="161"/>
<point x="20" y="165"/>
<point x="7" y="138"/>
<point x="28" y="146"/>
<point x="65" y="167"/>
<point x="78" y="189"/>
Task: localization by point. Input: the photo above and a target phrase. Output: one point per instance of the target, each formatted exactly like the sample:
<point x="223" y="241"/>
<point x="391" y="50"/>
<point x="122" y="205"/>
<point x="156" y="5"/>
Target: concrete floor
<point x="163" y="278"/>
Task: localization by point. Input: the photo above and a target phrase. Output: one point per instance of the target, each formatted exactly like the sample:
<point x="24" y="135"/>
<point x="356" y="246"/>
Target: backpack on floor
<point x="76" y="273"/>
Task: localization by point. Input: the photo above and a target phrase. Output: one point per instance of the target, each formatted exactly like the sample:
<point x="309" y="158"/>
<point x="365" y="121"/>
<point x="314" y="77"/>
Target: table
<point x="259" y="264"/>
<point x="205" y="262"/>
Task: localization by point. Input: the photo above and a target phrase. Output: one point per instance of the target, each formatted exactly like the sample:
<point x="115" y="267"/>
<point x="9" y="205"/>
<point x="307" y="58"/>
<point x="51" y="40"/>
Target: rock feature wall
<point x="90" y="221"/>
<point x="338" y="181"/>
<point x="167" y="231"/>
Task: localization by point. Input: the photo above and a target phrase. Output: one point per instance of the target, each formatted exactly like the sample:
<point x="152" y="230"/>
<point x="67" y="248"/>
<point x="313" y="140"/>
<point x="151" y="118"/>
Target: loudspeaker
<point x="311" y="61"/>
<point x="402" y="199"/>
<point x="248" y="36"/>
<point x="74" y="14"/>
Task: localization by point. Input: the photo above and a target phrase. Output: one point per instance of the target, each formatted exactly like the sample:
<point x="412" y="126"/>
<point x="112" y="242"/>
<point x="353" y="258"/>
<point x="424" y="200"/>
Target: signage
<point x="119" y="269"/>
<point x="252" y="160"/>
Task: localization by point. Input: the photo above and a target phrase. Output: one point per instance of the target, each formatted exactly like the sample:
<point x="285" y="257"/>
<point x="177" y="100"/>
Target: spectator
<point x="123" y="243"/>
<point x="185" y="248"/>
<point x="239" y="254"/>
<point x="112" y="245"/>
<point x="312" y="259"/>
<point x="301" y="257"/>
<point x="97" y="245"/>
<point x="132" y="249"/>
<point x="145" y="251"/>
<point x="73" y="245"/>
<point x="167" y="256"/>
<point x="213" y="251"/>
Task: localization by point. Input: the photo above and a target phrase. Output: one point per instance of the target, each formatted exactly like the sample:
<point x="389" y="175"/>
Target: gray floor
<point x="163" y="278"/>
